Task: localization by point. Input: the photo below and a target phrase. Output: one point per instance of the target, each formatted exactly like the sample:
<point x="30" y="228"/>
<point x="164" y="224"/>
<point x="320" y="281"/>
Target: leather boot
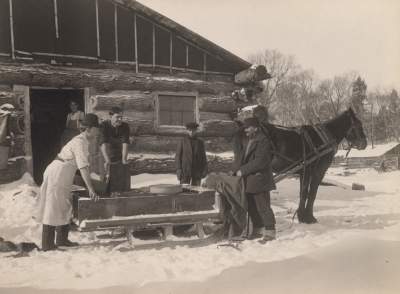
<point x="48" y="234"/>
<point x="62" y="237"/>
<point x="268" y="235"/>
<point x="257" y="233"/>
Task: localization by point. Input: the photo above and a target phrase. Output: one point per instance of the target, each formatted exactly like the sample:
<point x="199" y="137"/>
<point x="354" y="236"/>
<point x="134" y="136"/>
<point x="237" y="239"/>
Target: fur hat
<point x="115" y="109"/>
<point x="192" y="126"/>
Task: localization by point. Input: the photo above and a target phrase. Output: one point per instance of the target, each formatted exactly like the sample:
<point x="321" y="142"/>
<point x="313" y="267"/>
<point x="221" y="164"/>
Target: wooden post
<point x="129" y="232"/>
<point x="168" y="232"/>
<point x="204" y="64"/>
<point x="116" y="32"/>
<point x="187" y="56"/>
<point x="97" y="28"/>
<point x="136" y="45"/>
<point x="88" y="104"/>
<point x="12" y="30"/>
<point x="170" y="52"/>
<point x="200" y="230"/>
<point x="154" y="45"/>
<point x="27" y="123"/>
<point x="56" y="19"/>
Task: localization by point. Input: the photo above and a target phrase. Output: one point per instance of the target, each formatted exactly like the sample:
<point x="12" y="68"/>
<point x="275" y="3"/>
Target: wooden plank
<point x="157" y="219"/>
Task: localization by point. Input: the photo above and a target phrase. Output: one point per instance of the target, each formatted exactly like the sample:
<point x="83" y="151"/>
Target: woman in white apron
<point x="55" y="206"/>
<point x="72" y="125"/>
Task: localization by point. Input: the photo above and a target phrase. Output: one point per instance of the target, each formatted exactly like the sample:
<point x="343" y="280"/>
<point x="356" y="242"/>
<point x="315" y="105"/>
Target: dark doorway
<point x="49" y="109"/>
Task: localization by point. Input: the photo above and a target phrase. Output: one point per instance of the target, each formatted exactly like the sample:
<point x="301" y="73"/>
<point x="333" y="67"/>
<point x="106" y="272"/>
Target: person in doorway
<point x="190" y="158"/>
<point x="55" y="204"/>
<point x="72" y="125"/>
<point x="255" y="167"/>
<point x="114" y="142"/>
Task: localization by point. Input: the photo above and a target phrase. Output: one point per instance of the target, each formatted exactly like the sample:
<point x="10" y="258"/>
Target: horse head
<point x="355" y="134"/>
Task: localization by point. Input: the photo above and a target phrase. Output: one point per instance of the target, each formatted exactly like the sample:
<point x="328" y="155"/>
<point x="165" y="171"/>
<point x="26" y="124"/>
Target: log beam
<point x="127" y="100"/>
<point x="159" y="165"/>
<point x="103" y="79"/>
<point x="167" y="145"/>
<point x="252" y="75"/>
<point x="144" y="101"/>
<point x="143" y="123"/>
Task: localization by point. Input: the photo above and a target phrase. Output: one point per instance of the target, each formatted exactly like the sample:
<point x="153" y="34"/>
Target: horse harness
<point x="328" y="145"/>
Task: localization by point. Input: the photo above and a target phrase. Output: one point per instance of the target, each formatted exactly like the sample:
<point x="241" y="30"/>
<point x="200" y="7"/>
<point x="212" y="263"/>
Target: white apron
<point x="55" y="205"/>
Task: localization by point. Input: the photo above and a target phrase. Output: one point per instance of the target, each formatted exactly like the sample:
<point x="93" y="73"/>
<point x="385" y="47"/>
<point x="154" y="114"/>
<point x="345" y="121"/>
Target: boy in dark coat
<point x="190" y="158"/>
<point x="254" y="165"/>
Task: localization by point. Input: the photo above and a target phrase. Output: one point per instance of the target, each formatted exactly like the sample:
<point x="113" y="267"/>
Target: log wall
<point x="136" y="94"/>
<point x="215" y="112"/>
<point x="158" y="165"/>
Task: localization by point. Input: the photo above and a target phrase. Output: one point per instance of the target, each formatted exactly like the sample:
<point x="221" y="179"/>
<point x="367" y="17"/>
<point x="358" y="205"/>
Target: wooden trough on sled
<point x="140" y="209"/>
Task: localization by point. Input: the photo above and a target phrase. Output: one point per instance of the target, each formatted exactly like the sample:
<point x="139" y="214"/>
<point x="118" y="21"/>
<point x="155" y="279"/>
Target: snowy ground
<point x="355" y="248"/>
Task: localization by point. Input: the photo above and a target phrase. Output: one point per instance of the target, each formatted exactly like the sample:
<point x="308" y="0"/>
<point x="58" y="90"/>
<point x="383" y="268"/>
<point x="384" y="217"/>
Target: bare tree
<point x="296" y="99"/>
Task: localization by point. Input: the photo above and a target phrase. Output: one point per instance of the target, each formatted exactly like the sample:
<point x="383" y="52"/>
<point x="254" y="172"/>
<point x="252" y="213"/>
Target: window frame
<point x="183" y="95"/>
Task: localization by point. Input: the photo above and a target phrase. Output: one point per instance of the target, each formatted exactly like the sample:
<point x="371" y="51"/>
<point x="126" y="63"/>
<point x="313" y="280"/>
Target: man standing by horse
<point x="254" y="165"/>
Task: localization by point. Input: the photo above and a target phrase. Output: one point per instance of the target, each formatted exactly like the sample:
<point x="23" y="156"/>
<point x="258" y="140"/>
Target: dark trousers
<point x="191" y="181"/>
<point x="260" y="211"/>
<point x="120" y="178"/>
<point x="49" y="240"/>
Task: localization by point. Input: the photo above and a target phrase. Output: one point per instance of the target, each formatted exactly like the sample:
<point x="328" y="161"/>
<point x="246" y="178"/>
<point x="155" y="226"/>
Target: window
<point x="176" y="109"/>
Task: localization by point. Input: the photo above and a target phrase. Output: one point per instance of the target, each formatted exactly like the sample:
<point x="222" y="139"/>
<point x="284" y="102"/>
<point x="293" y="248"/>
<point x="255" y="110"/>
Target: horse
<point x="315" y="145"/>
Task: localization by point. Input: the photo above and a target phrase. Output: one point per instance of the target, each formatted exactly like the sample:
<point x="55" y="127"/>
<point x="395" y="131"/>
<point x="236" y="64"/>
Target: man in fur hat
<point x="254" y="165"/>
<point x="190" y="158"/>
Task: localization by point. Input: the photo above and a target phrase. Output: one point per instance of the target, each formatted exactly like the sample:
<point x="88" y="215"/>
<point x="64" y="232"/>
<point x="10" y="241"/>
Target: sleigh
<point x="139" y="209"/>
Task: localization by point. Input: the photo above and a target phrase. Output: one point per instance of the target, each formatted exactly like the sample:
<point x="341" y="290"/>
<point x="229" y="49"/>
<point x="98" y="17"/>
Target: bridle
<point x="352" y="130"/>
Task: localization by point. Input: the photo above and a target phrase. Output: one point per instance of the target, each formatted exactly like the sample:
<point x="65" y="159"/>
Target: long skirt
<point x="55" y="205"/>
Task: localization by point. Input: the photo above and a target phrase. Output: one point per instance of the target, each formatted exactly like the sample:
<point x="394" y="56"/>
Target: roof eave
<point x="239" y="63"/>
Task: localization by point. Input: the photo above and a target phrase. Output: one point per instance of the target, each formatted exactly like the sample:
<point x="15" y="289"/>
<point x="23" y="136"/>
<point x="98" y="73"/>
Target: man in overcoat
<point x="254" y="164"/>
<point x="190" y="158"/>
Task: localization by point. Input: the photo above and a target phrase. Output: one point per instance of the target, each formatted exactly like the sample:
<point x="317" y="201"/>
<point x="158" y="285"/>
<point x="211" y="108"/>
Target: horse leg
<point x="304" y="187"/>
<point x="317" y="174"/>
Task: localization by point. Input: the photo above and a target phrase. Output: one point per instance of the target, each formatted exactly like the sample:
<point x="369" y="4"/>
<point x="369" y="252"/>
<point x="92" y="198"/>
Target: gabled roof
<point x="238" y="63"/>
<point x="378" y="151"/>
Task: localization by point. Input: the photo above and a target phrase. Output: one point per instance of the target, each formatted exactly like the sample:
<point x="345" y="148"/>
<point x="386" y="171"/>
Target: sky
<point x="330" y="37"/>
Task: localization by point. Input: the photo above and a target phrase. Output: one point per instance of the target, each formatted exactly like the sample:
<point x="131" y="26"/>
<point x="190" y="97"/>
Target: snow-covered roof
<point x="377" y="151"/>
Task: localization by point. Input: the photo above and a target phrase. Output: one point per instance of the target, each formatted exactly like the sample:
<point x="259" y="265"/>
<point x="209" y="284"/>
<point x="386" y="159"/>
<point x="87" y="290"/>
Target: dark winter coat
<point x="255" y="166"/>
<point x="191" y="160"/>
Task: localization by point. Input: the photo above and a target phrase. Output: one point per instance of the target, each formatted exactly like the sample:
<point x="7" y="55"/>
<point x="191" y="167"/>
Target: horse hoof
<point x="300" y="216"/>
<point x="310" y="220"/>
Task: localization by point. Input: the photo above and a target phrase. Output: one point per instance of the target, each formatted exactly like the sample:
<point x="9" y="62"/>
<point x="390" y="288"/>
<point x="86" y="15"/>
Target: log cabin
<point x="105" y="53"/>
